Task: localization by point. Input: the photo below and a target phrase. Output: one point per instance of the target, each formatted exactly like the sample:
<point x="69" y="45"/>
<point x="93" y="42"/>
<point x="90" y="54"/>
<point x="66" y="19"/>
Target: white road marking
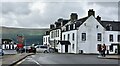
<point x="19" y="62"/>
<point x="36" y="62"/>
<point x="28" y="59"/>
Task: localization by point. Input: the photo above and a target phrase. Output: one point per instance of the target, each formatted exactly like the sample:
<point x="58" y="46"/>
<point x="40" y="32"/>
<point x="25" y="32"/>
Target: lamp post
<point x="25" y="46"/>
<point x="54" y="44"/>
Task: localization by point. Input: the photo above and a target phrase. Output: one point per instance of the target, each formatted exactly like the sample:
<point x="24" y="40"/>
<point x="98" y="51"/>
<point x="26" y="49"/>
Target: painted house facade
<point x="8" y="45"/>
<point x="85" y="34"/>
<point x="46" y="40"/>
<point x="56" y="33"/>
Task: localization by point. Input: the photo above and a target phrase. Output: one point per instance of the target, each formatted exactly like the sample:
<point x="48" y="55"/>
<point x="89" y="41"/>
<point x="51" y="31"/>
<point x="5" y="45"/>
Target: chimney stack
<point x="52" y="26"/>
<point x="91" y="12"/>
<point x="47" y="33"/>
<point x="73" y="16"/>
<point x="60" y="19"/>
<point x="98" y="18"/>
<point x="58" y="24"/>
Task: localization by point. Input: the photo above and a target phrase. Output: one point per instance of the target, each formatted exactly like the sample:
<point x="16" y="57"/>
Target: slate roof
<point x="64" y="42"/>
<point x="77" y="24"/>
<point x="80" y="21"/>
<point x="83" y="19"/>
<point x="65" y="22"/>
<point x="115" y="25"/>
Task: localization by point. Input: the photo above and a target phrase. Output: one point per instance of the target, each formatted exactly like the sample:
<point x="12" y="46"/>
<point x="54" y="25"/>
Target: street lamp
<point x="25" y="46"/>
<point x="54" y="44"/>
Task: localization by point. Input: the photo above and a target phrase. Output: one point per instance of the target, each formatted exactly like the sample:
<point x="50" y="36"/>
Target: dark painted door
<point x="66" y="48"/>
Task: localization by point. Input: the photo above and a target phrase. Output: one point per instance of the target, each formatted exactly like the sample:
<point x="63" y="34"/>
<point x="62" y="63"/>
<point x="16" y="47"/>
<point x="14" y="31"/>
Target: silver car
<point x="42" y="49"/>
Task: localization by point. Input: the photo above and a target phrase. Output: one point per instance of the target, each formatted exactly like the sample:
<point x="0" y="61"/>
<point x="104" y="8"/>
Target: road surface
<point x="53" y="59"/>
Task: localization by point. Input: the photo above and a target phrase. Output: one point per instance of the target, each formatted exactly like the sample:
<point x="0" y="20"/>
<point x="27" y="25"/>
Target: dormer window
<point x="108" y="27"/>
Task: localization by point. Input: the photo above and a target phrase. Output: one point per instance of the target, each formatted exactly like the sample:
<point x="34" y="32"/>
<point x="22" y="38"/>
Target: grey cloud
<point x="16" y="8"/>
<point x="105" y="4"/>
<point x="53" y="10"/>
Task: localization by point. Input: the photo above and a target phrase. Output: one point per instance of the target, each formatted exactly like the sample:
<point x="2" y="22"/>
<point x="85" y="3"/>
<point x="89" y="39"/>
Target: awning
<point x="64" y="42"/>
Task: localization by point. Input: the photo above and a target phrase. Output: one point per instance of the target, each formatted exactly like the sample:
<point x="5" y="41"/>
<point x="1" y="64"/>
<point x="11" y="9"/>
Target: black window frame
<point x="73" y="36"/>
<point x="44" y="39"/>
<point x="111" y="38"/>
<point x="99" y="36"/>
<point x="58" y="33"/>
<point x="64" y="37"/>
<point x="118" y="38"/>
<point x="83" y="37"/>
<point x="68" y="37"/>
<point x="73" y="47"/>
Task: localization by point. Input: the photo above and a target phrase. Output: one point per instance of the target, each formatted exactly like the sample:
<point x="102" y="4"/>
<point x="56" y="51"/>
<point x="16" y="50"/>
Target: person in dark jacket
<point x="103" y="50"/>
<point x="100" y="50"/>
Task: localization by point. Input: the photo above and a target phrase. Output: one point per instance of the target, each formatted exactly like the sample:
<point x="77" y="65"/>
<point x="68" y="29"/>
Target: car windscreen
<point x="43" y="46"/>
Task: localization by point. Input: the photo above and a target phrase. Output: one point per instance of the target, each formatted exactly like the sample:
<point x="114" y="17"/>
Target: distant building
<point x="46" y="38"/>
<point x="85" y="34"/>
<point x="8" y="44"/>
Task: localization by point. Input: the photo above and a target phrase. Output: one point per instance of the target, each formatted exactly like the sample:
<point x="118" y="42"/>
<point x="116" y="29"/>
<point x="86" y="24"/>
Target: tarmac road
<point x="54" y="59"/>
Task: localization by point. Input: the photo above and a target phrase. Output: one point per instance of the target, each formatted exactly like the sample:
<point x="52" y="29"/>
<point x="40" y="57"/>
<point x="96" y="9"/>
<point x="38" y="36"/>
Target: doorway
<point x="117" y="49"/>
<point x="66" y="48"/>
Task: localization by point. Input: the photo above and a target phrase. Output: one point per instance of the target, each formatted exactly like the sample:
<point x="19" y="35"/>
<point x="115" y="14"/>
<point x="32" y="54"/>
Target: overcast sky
<point x="42" y="13"/>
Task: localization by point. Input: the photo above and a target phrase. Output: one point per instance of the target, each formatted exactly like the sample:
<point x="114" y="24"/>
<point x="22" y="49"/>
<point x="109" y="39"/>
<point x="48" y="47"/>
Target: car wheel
<point x="45" y="51"/>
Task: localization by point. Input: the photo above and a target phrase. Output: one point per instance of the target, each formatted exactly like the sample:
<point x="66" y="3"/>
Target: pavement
<point x="10" y="52"/>
<point x="10" y="60"/>
<point x="117" y="57"/>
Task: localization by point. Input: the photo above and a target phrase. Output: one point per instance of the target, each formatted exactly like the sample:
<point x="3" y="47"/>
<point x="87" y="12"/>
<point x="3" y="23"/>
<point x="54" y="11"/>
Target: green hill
<point x="31" y="35"/>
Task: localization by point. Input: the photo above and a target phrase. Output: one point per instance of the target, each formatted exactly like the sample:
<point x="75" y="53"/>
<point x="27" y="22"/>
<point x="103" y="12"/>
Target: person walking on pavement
<point x="99" y="50"/>
<point x="103" y="50"/>
<point x="33" y="49"/>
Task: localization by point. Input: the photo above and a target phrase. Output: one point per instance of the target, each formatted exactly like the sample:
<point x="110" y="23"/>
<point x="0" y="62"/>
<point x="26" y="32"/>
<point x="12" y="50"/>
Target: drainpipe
<point x="77" y="43"/>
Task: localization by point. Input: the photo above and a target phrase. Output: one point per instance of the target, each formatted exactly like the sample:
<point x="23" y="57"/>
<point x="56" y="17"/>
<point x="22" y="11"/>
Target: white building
<point x="46" y="40"/>
<point x="8" y="45"/>
<point x="87" y="33"/>
<point x="84" y="35"/>
<point x="55" y="32"/>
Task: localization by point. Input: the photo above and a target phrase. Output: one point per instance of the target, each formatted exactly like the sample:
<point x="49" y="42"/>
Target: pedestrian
<point x="99" y="50"/>
<point x="103" y="50"/>
<point x="33" y="49"/>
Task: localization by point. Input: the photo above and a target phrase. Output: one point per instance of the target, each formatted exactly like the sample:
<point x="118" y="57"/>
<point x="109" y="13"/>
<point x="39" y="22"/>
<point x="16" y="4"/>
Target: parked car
<point x="42" y="49"/>
<point x="51" y="50"/>
<point x="27" y="49"/>
<point x="1" y="51"/>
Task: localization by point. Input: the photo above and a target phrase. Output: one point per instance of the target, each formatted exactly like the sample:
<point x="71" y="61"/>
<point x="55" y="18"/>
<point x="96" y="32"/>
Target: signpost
<point x="20" y="39"/>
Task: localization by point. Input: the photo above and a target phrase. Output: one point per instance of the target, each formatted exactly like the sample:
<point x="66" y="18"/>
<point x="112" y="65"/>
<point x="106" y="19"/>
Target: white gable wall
<point x="90" y="28"/>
